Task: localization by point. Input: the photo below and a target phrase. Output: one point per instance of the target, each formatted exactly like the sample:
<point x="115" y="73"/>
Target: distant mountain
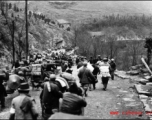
<point x="80" y="10"/>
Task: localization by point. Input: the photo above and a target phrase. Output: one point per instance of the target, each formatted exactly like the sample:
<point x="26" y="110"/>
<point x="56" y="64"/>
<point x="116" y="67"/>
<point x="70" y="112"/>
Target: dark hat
<point x="73" y="88"/>
<point x="24" y="87"/>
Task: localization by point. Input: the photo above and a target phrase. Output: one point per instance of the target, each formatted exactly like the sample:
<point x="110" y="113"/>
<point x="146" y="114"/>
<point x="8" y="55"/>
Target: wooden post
<point x="13" y="43"/>
<point x="27" y="44"/>
<point x="143" y="60"/>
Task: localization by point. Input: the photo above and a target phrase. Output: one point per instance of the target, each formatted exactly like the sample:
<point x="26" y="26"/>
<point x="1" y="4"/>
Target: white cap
<point x="112" y="59"/>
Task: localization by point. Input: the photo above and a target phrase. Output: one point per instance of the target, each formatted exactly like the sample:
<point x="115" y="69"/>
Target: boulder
<point x="143" y="97"/>
<point x="147" y="77"/>
<point x="143" y="89"/>
<point x="144" y="70"/>
<point x="136" y="67"/>
<point x="143" y="82"/>
<point x="149" y="83"/>
<point x="133" y="72"/>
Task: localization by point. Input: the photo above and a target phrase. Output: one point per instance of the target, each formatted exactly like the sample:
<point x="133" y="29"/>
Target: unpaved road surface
<point x="99" y="103"/>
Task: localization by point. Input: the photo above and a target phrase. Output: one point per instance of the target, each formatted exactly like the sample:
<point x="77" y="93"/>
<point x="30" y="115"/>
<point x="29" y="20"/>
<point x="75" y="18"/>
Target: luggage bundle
<point x="70" y="79"/>
<point x="14" y="82"/>
<point x="36" y="70"/>
<point x="89" y="66"/>
<point x="63" y="82"/>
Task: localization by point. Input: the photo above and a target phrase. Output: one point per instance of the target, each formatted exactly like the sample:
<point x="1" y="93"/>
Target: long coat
<point x="2" y="89"/>
<point x="24" y="107"/>
<point x="85" y="76"/>
<point x="51" y="96"/>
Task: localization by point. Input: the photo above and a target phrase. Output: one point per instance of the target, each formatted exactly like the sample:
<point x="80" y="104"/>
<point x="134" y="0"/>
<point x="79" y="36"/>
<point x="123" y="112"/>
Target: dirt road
<point x="99" y="103"/>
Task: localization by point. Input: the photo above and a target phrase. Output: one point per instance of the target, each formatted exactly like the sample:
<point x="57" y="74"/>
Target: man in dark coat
<point x="77" y="60"/>
<point x="50" y="97"/>
<point x="70" y="61"/>
<point x="3" y="93"/>
<point x="112" y="68"/>
<point x="86" y="77"/>
<point x="95" y="72"/>
<point x="72" y="102"/>
<point x="17" y="64"/>
<point x="99" y="58"/>
<point x="64" y="66"/>
<point x="91" y="60"/>
<point x="80" y="64"/>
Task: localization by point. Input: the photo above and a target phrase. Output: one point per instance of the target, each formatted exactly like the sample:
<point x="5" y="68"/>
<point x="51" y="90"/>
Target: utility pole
<point x="13" y="42"/>
<point x="26" y="17"/>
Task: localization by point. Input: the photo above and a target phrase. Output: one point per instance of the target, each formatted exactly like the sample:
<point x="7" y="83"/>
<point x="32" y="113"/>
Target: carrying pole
<point x="143" y="60"/>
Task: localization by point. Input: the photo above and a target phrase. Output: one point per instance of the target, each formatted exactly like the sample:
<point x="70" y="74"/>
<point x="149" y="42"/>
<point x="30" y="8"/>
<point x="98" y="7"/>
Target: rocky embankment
<point x="142" y="83"/>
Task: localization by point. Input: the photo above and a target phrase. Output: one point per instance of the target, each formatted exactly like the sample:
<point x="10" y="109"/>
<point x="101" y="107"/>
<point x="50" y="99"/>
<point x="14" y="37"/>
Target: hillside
<point x="80" y="10"/>
<point x="42" y="34"/>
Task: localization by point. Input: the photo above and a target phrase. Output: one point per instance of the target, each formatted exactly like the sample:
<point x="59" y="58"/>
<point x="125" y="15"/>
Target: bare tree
<point x="15" y="28"/>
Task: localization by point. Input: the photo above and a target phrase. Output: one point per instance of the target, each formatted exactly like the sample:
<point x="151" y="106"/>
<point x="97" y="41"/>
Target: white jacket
<point x="104" y="70"/>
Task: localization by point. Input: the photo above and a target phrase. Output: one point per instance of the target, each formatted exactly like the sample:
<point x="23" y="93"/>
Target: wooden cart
<point x="36" y="75"/>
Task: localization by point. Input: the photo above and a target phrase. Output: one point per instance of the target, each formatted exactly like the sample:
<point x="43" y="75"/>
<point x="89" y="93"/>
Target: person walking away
<point x="69" y="70"/>
<point x="72" y="102"/>
<point x="3" y="93"/>
<point x="64" y="66"/>
<point x="70" y="61"/>
<point x="95" y="72"/>
<point x="104" y="70"/>
<point x="80" y="64"/>
<point x="77" y="60"/>
<point x="91" y="60"/>
<point x="50" y="97"/>
<point x="86" y="77"/>
<point x="112" y="68"/>
<point x="99" y="58"/>
<point x="23" y="106"/>
<point x="17" y="64"/>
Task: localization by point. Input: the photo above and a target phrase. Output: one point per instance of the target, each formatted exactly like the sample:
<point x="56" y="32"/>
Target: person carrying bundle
<point x="86" y="77"/>
<point x="50" y="97"/>
<point x="104" y="71"/>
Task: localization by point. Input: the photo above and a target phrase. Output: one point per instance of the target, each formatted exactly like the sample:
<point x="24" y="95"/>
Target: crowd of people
<point x="104" y="67"/>
<point x="56" y="101"/>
